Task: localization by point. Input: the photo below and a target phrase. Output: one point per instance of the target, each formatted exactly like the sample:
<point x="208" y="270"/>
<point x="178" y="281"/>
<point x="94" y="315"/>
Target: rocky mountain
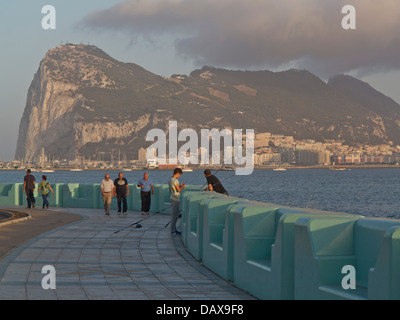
<point x="82" y="102"/>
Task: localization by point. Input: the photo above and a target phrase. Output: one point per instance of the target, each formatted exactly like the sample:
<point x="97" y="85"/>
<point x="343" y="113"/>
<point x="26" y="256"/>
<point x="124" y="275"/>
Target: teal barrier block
<point x="155" y="206"/>
<point x="163" y="201"/>
<point x="193" y="227"/>
<point x="58" y="194"/>
<point x="324" y="246"/>
<point x="16" y="194"/>
<point x="217" y="251"/>
<point x="282" y="255"/>
<point x="78" y="195"/>
<point x="384" y="278"/>
<point x="134" y="199"/>
<point x="97" y="196"/>
<point x="5" y="191"/>
<point x="254" y="235"/>
<point x="185" y="195"/>
<point x="10" y="194"/>
<point x="369" y="235"/>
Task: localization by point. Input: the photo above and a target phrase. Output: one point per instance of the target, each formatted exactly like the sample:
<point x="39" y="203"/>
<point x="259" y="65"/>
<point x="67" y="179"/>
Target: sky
<point x="178" y="36"/>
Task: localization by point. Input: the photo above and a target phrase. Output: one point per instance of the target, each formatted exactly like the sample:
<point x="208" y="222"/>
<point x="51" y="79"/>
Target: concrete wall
<point x="270" y="251"/>
<point x="276" y="252"/>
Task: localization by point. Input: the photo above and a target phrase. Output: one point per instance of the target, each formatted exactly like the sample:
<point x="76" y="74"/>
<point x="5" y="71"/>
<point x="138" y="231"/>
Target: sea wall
<point x="269" y="251"/>
<point x="75" y="195"/>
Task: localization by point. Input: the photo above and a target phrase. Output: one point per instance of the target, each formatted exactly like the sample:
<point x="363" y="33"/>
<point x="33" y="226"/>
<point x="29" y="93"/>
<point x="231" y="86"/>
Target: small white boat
<point x="187" y="170"/>
<point x="76" y="170"/>
<point x="47" y="171"/>
<point x="280" y="169"/>
<point x="227" y="169"/>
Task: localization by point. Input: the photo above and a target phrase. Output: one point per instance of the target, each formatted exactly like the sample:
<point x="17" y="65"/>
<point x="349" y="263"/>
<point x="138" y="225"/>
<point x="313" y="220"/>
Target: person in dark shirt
<point x="121" y="192"/>
<point x="213" y="183"/>
<point x="29" y="188"/>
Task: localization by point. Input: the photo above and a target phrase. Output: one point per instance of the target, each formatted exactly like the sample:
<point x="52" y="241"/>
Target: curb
<point x="13" y="220"/>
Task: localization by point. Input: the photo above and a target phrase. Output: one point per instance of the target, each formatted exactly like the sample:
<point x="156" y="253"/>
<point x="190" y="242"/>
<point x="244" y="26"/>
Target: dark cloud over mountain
<point x="266" y="33"/>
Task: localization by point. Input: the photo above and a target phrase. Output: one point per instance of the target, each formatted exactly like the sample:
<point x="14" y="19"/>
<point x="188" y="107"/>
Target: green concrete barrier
<point x="76" y="195"/>
<point x="197" y="204"/>
<point x="384" y="278"/>
<point x="186" y="196"/>
<point x="163" y="199"/>
<point x="9" y="194"/>
<point x="270" y="251"/>
<point x="254" y="235"/>
<point x="217" y="250"/>
<point x="324" y="246"/>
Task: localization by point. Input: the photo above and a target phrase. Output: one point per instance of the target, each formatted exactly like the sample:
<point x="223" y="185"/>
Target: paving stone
<point x="94" y="262"/>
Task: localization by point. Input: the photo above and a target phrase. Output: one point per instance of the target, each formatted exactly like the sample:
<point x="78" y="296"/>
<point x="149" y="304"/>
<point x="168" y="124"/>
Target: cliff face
<point x="48" y="119"/>
<point x="57" y="118"/>
<point x="82" y="102"/>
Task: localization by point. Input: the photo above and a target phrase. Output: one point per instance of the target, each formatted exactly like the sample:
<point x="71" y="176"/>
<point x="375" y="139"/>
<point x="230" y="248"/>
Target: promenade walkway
<point x="94" y="262"/>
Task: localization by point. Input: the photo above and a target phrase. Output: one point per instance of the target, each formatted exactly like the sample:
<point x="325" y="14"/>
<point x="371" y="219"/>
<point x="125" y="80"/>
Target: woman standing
<point x="45" y="188"/>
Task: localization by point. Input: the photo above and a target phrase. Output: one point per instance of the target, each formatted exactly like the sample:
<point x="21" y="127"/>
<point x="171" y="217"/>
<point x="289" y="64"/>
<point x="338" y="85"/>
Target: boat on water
<point x="227" y="169"/>
<point x="187" y="170"/>
<point x="338" y="169"/>
<point x="76" y="170"/>
<point x="279" y="169"/>
<point x="47" y="171"/>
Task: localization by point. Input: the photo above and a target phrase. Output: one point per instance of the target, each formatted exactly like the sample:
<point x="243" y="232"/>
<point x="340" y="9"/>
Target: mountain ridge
<point x="82" y="102"/>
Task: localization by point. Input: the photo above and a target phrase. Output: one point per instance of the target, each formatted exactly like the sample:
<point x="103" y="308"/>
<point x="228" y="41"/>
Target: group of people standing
<point x="119" y="188"/>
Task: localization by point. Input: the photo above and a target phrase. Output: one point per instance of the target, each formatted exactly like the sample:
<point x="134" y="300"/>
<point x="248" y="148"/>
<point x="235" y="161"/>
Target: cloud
<point x="266" y="33"/>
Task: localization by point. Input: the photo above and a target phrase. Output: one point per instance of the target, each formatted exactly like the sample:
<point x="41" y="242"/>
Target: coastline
<point x="291" y="167"/>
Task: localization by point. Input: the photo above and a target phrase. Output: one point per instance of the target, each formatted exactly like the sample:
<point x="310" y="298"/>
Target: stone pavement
<point x="94" y="262"/>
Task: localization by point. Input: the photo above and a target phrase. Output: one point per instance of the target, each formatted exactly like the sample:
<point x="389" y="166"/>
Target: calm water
<point x="370" y="192"/>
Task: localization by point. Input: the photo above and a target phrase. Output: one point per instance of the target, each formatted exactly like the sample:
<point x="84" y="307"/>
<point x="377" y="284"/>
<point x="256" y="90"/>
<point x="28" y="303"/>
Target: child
<point x="45" y="188"/>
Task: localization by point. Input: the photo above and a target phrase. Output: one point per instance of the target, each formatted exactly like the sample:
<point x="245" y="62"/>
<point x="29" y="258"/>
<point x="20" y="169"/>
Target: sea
<point x="371" y="192"/>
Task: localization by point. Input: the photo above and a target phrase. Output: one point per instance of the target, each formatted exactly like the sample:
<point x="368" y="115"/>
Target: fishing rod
<point x="201" y="189"/>
<point x="137" y="223"/>
<point x="180" y="215"/>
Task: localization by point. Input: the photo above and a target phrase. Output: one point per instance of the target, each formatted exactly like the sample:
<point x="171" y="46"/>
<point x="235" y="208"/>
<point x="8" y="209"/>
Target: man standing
<point x="175" y="188"/>
<point x="145" y="185"/>
<point x="107" y="190"/>
<point x="213" y="183"/>
<point x="121" y="191"/>
<point x="29" y="188"/>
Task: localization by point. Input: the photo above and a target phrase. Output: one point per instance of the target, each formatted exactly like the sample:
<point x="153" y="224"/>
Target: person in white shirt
<point x="107" y="190"/>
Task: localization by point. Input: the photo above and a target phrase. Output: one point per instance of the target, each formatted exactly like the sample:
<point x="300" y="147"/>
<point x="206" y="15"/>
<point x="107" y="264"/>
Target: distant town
<point x="271" y="151"/>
